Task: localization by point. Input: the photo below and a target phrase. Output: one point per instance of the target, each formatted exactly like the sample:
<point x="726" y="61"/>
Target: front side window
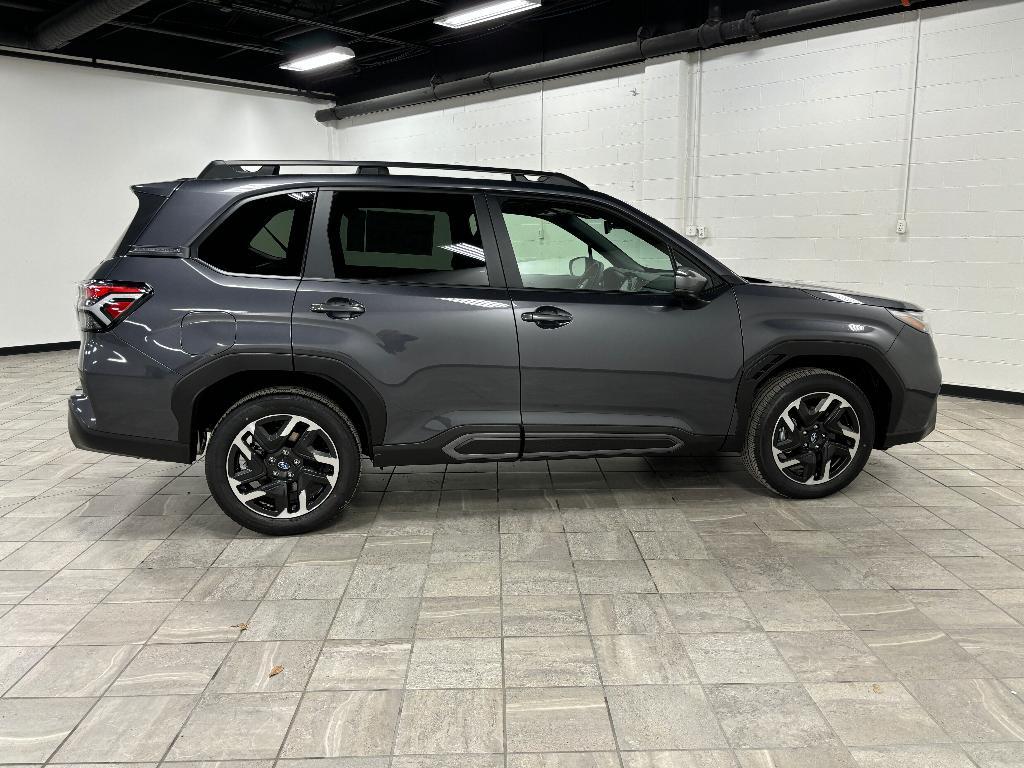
<point x="406" y="237"/>
<point x="577" y="247"/>
<point x="265" y="236"/>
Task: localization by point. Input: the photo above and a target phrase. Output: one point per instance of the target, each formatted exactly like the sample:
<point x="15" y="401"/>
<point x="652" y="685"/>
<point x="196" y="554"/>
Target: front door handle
<point x="339" y="309"/>
<point x="547" y="317"/>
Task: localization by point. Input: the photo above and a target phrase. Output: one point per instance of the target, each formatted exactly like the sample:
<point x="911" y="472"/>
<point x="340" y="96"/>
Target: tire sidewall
<point x="821" y="382"/>
<point x="336" y="426"/>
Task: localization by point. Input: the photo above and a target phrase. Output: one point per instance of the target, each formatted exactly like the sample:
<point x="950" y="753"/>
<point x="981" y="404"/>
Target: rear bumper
<point x="84" y="435"/>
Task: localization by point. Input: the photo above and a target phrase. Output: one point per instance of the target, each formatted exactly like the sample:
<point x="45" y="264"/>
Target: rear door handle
<point x="339" y="308"/>
<point x="547" y="317"/>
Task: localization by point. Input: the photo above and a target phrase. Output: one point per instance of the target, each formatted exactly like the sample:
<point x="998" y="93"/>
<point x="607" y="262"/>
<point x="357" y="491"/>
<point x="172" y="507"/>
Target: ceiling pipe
<point x="710" y="34"/>
<point x="64" y="26"/>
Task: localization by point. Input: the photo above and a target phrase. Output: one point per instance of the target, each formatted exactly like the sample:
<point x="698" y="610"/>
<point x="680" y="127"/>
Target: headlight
<point x="914" y="319"/>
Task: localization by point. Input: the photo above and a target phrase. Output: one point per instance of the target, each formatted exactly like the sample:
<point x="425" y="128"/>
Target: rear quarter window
<point x="265" y="236"/>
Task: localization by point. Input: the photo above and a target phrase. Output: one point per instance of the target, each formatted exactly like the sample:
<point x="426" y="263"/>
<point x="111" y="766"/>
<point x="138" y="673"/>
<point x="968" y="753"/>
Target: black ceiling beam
<point x="73" y="22"/>
<point x="712" y="33"/>
<point x="227" y="42"/>
<point x="354" y="35"/>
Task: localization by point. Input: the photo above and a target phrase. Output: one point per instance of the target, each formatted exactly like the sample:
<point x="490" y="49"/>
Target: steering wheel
<point x="591" y="277"/>
<point x="624" y="280"/>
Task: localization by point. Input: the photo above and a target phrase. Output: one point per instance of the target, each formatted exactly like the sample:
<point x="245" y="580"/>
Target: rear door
<point x="403" y="301"/>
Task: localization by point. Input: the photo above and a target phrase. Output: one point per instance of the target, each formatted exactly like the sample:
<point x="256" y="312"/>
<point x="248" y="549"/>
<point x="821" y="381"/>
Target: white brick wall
<point x="801" y="161"/>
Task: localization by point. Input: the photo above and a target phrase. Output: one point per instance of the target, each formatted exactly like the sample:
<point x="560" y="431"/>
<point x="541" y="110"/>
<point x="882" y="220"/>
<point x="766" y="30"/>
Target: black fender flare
<point x="777" y="356"/>
<point x="335" y="373"/>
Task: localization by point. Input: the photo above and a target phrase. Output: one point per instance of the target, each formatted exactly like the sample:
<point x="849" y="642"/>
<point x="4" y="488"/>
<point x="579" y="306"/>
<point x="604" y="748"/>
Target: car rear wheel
<point x="810" y="433"/>
<point x="283" y="462"/>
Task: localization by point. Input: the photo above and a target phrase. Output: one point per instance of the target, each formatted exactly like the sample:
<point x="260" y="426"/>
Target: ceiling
<point x="397" y="45"/>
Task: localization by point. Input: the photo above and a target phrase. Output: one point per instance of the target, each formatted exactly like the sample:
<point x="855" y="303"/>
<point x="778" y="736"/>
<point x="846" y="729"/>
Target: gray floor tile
<point x="344" y="723"/>
<point x="626" y="614"/>
<point x="15" y="662"/>
<point x="736" y="657"/>
<point x="959" y="609"/>
<point x="222" y="584"/>
<point x="603" y="577"/>
<point x="534" y="546"/>
<point x="155" y="584"/>
<point x="829" y="656"/>
<point x="310" y="582"/>
<point x="375" y="619"/>
<point x="997" y="755"/>
<point x="39" y="624"/>
<point x="557" y="720"/>
<point x="266" y="667"/>
<point x="1000" y="651"/>
<point x="291" y="620"/>
<point x="78" y="587"/>
<point x="768" y="716"/>
<point x="360" y="664"/>
<point x="539" y="662"/>
<point x="75" y="671"/>
<point x="34" y="728"/>
<point x="459" y="617"/>
<point x="603" y="545"/>
<point x="463" y="579"/>
<point x="689" y="576"/>
<point x="658" y="659"/>
<point x="972" y="710"/>
<point x="875" y="714"/>
<point x="161" y="670"/>
<point x="127" y="729"/>
<point x="663" y="717"/>
<point x="538" y="578"/>
<point x="235" y="726"/>
<point x="883" y="609"/>
<point x="792" y="611"/>
<point x="922" y="654"/>
<point x="543" y="615"/>
<point x="205" y="622"/>
<point x="710" y="612"/>
<point x="374" y="580"/>
<point x="450" y="722"/>
<point x="455" y="663"/>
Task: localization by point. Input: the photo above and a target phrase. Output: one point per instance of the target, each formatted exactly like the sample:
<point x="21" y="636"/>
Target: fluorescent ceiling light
<point x="486" y="12"/>
<point x="331" y="56"/>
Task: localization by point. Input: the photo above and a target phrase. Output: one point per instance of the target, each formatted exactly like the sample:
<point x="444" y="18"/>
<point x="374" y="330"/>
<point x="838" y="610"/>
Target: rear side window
<point x="265" y="236"/>
<point x="407" y="237"/>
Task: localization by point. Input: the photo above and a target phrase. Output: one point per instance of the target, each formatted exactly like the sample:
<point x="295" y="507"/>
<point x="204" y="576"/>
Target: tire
<point x="798" y="452"/>
<point x="297" y="444"/>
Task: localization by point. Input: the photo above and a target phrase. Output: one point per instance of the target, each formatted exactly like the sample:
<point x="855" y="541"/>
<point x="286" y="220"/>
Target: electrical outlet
<point x="901" y="226"/>
<point x="701" y="232"/>
<point x="691" y="231"/>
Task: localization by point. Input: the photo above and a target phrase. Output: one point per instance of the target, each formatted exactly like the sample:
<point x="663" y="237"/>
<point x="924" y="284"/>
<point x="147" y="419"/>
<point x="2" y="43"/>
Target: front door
<point x="610" y="360"/>
<point x="402" y="298"/>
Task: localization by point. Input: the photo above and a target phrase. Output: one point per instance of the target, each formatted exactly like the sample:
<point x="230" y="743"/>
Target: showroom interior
<point x="596" y="611"/>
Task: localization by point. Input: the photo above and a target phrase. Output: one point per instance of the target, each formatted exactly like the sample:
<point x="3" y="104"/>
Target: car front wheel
<point x="283" y="462"/>
<point x="810" y="433"/>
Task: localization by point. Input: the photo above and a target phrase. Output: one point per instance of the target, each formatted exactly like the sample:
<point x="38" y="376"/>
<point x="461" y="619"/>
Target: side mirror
<point x="689" y="283"/>
<point x="578" y="266"/>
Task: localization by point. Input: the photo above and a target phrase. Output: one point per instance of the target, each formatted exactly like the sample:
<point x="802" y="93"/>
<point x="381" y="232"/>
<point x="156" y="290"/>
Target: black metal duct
<point x="74" y="21"/>
<point x="709" y="35"/>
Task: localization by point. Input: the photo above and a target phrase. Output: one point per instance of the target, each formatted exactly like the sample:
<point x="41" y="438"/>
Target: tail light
<point x="103" y="303"/>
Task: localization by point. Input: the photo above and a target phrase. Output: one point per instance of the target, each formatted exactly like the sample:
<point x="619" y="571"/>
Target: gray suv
<point x="289" y="324"/>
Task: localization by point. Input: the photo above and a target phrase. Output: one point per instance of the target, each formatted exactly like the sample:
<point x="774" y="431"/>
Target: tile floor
<point x="580" y="614"/>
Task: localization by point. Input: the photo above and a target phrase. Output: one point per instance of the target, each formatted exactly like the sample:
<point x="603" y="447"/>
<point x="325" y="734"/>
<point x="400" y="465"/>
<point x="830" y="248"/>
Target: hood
<point x="844" y="295"/>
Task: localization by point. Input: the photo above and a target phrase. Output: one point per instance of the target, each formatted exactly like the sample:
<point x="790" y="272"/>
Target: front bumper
<point x="81" y="427"/>
<point x="913" y="356"/>
<point x="917" y="420"/>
